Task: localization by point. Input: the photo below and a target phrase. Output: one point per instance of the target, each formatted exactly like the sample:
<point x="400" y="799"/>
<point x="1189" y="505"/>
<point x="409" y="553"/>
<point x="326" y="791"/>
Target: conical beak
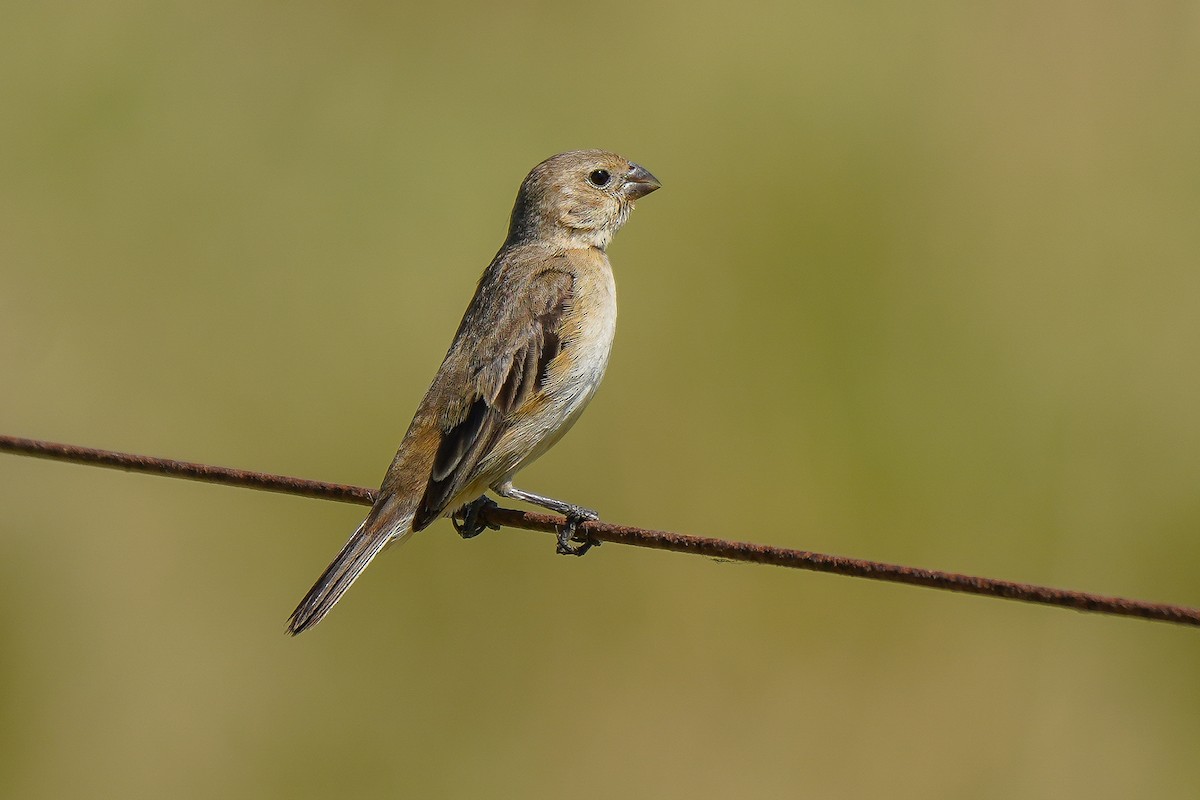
<point x="639" y="182"/>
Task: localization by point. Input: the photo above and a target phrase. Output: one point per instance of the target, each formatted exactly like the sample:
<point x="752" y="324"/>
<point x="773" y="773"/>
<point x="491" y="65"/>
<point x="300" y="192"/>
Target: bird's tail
<point x="386" y="523"/>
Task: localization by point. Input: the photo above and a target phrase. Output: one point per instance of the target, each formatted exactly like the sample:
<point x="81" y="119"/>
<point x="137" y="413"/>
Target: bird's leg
<point x="472" y="523"/>
<point x="574" y="514"/>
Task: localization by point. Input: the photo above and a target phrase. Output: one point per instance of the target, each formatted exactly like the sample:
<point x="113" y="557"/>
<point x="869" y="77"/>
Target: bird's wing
<point x="517" y="338"/>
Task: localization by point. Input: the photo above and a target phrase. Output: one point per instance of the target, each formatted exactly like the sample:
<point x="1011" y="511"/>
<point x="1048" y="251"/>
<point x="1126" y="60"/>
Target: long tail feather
<point x="382" y="526"/>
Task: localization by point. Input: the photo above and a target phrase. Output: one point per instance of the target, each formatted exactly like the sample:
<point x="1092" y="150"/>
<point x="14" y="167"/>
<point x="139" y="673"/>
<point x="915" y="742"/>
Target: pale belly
<point x="574" y="377"/>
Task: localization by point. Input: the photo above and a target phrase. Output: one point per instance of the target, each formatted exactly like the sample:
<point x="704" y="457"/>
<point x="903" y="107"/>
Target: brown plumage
<point x="528" y="355"/>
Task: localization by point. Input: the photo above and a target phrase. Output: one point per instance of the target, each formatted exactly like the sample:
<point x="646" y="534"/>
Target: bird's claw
<point x="472" y="523"/>
<point x="566" y="532"/>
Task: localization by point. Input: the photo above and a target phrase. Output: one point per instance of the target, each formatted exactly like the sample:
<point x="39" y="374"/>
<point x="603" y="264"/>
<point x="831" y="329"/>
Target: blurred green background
<point x="922" y="285"/>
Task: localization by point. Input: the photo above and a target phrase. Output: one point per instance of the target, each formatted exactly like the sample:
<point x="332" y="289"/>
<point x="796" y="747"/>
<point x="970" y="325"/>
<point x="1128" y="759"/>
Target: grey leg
<point x="574" y="514"/>
<point x="471" y="524"/>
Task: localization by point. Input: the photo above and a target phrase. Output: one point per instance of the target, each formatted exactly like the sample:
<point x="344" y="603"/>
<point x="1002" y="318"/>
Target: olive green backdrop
<point x="922" y="285"/>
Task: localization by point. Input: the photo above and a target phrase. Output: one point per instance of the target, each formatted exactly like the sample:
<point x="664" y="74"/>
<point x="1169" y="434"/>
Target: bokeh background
<point x="922" y="285"/>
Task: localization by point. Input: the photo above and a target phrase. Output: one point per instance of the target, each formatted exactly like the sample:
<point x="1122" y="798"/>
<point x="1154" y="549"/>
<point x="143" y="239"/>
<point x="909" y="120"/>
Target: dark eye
<point x="599" y="177"/>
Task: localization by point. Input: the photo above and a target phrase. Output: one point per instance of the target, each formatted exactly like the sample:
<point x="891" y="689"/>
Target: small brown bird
<point x="528" y="355"/>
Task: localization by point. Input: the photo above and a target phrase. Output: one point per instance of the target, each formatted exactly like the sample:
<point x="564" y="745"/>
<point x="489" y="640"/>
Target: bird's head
<point x="580" y="198"/>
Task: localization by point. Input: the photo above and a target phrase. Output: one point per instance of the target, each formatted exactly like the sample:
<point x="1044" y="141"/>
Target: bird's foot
<point x="468" y="520"/>
<point x="567" y="532"/>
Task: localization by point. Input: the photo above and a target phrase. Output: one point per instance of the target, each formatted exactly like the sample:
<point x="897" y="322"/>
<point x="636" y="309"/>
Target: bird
<point x="532" y="348"/>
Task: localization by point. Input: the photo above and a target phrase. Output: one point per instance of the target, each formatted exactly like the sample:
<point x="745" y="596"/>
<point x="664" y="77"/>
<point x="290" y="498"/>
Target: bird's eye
<point x="599" y="177"/>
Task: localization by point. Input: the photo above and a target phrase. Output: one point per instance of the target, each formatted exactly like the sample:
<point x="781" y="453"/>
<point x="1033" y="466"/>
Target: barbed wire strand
<point x="623" y="534"/>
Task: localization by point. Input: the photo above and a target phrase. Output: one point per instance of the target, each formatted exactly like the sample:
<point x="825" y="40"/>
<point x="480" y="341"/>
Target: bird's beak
<point x="639" y="182"/>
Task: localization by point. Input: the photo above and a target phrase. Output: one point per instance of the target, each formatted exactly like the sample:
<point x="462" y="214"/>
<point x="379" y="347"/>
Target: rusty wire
<point x="622" y="534"/>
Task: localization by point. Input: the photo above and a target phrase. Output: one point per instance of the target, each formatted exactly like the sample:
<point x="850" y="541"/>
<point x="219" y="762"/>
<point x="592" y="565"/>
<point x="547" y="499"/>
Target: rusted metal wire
<point x="622" y="534"/>
<point x="205" y="473"/>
